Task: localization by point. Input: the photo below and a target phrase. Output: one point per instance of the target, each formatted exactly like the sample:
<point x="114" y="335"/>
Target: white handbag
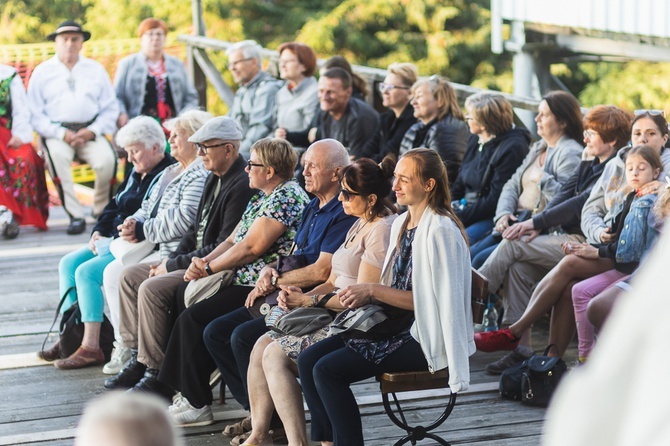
<point x="130" y="253"/>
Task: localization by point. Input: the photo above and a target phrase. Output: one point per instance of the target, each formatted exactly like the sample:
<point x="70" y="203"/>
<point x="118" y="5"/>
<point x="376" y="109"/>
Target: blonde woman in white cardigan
<point x="425" y="293"/>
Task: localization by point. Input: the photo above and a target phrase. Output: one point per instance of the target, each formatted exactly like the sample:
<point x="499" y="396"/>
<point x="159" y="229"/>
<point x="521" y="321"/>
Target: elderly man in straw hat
<point x="73" y="106"/>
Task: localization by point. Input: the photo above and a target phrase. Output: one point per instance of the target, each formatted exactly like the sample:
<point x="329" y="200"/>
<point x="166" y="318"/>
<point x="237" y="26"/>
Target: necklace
<point x="353" y="236"/>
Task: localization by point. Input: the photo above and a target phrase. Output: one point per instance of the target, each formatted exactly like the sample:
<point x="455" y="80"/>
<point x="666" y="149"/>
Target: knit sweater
<point x="441" y="281"/>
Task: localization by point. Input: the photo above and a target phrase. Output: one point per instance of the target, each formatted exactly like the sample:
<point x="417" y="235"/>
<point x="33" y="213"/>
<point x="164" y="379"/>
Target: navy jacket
<point x="508" y="151"/>
<point x="388" y="138"/>
<point x="128" y="198"/>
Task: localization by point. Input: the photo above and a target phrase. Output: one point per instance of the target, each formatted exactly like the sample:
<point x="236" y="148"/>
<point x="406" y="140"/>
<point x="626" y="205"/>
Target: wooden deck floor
<point x="41" y="405"/>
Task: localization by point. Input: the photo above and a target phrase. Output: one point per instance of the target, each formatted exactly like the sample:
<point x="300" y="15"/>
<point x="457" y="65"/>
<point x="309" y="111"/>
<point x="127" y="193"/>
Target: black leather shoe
<point x="77" y="226"/>
<point x="130" y="375"/>
<point x="150" y="384"/>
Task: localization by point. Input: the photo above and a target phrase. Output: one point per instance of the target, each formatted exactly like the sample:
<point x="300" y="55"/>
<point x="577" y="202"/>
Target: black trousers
<point x="188" y="365"/>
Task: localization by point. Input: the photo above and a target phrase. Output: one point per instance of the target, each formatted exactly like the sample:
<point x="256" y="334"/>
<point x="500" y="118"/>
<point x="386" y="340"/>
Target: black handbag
<point x="539" y="382"/>
<point x="297" y="321"/>
<point x="71" y="330"/>
<point x="510" y="381"/>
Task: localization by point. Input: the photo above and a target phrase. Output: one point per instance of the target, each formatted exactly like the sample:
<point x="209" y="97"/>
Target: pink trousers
<point x="582" y="293"/>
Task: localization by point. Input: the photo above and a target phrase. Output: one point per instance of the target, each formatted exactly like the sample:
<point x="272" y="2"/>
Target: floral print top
<point x="285" y="204"/>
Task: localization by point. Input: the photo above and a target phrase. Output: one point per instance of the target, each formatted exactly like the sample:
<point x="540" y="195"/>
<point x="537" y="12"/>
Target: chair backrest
<point x="480" y="289"/>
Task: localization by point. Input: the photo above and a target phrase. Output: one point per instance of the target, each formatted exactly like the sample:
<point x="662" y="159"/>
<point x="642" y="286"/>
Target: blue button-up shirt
<point x="322" y="229"/>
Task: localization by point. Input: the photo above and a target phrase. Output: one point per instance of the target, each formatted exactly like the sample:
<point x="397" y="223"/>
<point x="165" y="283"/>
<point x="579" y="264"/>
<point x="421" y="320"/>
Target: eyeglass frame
<point x="589" y="133"/>
<point x="153" y="33"/>
<point x="384" y="87"/>
<point x="251" y="164"/>
<point x="204" y="149"/>
<point x="232" y="65"/>
<point x="347" y="194"/>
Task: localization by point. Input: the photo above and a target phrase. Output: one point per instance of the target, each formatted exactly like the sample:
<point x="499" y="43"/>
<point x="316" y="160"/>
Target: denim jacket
<point x="637" y="235"/>
<point x="130" y="84"/>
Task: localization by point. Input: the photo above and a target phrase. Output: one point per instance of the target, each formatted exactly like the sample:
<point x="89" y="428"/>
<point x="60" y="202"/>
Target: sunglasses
<point x="649" y="112"/>
<point x="346" y="195"/>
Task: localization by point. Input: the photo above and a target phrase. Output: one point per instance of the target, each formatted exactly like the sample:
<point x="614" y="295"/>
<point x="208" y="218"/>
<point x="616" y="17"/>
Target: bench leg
<point x="417" y="433"/>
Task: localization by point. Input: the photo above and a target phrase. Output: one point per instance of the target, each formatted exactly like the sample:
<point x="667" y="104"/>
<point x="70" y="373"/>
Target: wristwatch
<point x="208" y="269"/>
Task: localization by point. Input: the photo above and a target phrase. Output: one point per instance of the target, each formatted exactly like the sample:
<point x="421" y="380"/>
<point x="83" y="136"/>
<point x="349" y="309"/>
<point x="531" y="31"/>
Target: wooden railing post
<point x="195" y="71"/>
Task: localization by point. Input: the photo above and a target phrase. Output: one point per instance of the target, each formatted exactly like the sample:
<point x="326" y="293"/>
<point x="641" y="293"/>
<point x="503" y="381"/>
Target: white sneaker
<point x="120" y="356"/>
<point x="185" y="415"/>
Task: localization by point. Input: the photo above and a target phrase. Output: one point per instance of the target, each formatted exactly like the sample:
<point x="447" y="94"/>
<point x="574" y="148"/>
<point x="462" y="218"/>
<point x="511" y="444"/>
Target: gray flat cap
<point x="221" y="127"/>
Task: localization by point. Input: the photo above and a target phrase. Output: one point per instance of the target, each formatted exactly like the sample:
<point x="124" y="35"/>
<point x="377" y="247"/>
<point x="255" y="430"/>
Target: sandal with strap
<point x="241" y="439"/>
<point x="239" y="428"/>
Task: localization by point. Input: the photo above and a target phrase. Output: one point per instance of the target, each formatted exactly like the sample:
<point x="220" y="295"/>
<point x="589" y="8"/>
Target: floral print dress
<point x="285" y="204"/>
<point x="22" y="183"/>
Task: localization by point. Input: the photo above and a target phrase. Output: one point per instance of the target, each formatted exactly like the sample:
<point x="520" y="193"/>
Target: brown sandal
<point x="81" y="358"/>
<point x="239" y="428"/>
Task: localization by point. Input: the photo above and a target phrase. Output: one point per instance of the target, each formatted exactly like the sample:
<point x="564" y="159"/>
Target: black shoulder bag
<point x="71" y="331"/>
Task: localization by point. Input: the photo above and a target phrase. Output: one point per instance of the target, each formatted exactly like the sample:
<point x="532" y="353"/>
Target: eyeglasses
<point x="590" y="134"/>
<point x="204" y="149"/>
<point x="346" y="195"/>
<point x="157" y="34"/>
<point x="232" y="65"/>
<point x="383" y="88"/>
<point x="649" y="112"/>
<point x="251" y="164"/>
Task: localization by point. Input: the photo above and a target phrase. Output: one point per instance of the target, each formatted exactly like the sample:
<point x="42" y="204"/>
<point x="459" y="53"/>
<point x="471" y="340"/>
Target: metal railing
<point x="205" y="70"/>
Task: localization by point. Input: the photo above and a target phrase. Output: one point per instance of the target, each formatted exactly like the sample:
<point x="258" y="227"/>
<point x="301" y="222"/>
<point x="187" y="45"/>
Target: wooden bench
<point x="391" y="383"/>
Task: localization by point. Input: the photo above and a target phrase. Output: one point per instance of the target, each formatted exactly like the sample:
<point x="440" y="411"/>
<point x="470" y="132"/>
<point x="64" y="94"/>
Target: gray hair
<point x="142" y="129"/>
<point x="126" y="419"/>
<point x="250" y="50"/>
<point x="335" y="155"/>
<point x="190" y="121"/>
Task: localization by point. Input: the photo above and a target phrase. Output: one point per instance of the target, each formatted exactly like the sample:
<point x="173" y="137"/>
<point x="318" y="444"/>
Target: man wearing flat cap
<point x="145" y="324"/>
<point x="73" y="106"/>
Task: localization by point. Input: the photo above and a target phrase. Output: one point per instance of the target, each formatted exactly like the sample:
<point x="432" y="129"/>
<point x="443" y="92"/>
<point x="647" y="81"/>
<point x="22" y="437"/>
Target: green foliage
<point x="29" y="21"/>
<point x="448" y="37"/>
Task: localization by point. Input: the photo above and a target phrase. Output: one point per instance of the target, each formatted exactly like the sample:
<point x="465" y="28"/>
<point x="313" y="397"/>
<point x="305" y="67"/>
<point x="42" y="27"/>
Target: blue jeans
<point x="481" y="250"/>
<point x="230" y="339"/>
<point x="83" y="270"/>
<point x="478" y="230"/>
<point x="326" y="371"/>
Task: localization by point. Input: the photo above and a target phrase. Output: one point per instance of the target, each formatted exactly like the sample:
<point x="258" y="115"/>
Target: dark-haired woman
<point x="425" y="281"/>
<point x="272" y="369"/>
<point x="550" y="163"/>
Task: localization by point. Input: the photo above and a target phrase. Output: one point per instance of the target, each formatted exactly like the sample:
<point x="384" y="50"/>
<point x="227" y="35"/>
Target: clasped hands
<point x="79" y="138"/>
<point x="517" y="230"/>
<point x="127" y="230"/>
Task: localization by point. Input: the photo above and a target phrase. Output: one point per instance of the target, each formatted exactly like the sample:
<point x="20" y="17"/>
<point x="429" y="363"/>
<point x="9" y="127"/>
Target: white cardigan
<point x="441" y="287"/>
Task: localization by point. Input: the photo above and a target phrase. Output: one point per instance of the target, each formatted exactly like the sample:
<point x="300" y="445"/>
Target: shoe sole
<point x="197" y="423"/>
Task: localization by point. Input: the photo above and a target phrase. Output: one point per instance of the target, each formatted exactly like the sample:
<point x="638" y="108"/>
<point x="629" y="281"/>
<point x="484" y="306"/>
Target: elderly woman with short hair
<point x="494" y="152"/>
<point x="81" y="271"/>
<point x="165" y="215"/>
<point x="151" y="82"/>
